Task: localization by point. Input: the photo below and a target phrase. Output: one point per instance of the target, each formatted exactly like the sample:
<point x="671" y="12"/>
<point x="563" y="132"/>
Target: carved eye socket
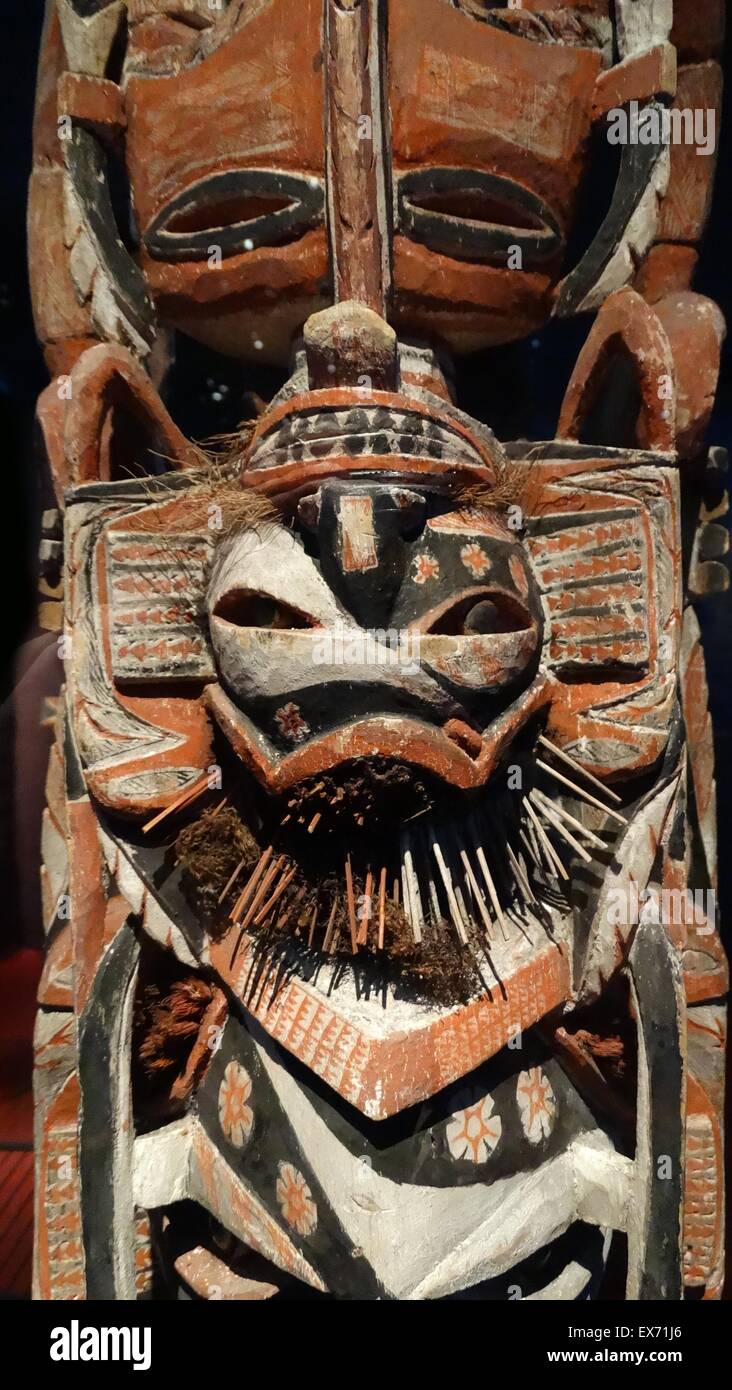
<point x="193" y="14"/>
<point x="225" y="212"/>
<point x="563" y="24"/>
<point x="243" y="209"/>
<point x="475" y="205"/>
<point x="482" y="615"/>
<point x="475" y="215"/>
<point x="244" y="608"/>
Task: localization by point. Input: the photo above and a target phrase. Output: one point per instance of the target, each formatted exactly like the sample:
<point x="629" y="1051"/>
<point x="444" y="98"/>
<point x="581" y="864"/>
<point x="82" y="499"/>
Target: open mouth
<point x="422" y="744"/>
<point x="367" y="429"/>
<point x="234" y="212"/>
<point x="476" y="216"/>
<point x="377" y="868"/>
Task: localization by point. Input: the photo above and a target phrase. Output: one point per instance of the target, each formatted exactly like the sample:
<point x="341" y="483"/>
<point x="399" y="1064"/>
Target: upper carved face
<point x="489" y="108"/>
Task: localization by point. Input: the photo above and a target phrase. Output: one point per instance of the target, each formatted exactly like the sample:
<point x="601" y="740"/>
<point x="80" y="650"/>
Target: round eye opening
<point x="244" y="608"/>
<point x="483" y="615"/>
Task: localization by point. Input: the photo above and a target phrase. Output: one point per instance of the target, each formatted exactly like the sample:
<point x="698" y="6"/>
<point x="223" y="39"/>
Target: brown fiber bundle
<point x="168" y="1024"/>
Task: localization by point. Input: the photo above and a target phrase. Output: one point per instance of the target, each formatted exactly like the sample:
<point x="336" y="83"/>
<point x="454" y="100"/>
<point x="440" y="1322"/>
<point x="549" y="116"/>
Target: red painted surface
<point x="19" y="975"/>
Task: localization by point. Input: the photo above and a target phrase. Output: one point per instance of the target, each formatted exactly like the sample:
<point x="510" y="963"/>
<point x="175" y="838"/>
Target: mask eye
<point x="244" y="208"/>
<point x="475" y="215"/>
<point x="244" y="608"/>
<point x="483" y="614"/>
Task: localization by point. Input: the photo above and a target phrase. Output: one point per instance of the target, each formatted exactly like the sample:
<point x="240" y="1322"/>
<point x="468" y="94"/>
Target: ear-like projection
<point x="626" y="332"/>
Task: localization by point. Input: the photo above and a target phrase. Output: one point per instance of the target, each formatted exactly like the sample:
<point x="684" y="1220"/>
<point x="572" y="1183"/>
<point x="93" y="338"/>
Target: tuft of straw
<point x="505" y="492"/>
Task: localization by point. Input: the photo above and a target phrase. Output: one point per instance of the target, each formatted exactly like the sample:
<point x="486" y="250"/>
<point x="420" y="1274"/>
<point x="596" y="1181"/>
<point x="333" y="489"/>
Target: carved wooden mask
<point x="379" y="734"/>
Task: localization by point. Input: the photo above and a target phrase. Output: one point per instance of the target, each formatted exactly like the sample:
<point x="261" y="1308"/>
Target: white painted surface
<point x="427" y="1242"/>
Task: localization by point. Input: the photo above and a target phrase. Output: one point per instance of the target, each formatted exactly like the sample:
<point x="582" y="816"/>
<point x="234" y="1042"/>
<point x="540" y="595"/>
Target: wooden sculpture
<point x="380" y="845"/>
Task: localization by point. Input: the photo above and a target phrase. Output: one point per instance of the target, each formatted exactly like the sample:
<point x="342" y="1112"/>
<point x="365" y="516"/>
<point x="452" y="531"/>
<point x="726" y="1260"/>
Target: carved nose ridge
<point x="363" y="552"/>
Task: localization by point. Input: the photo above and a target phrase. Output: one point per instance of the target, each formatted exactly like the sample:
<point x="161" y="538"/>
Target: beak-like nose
<point x="361" y="528"/>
